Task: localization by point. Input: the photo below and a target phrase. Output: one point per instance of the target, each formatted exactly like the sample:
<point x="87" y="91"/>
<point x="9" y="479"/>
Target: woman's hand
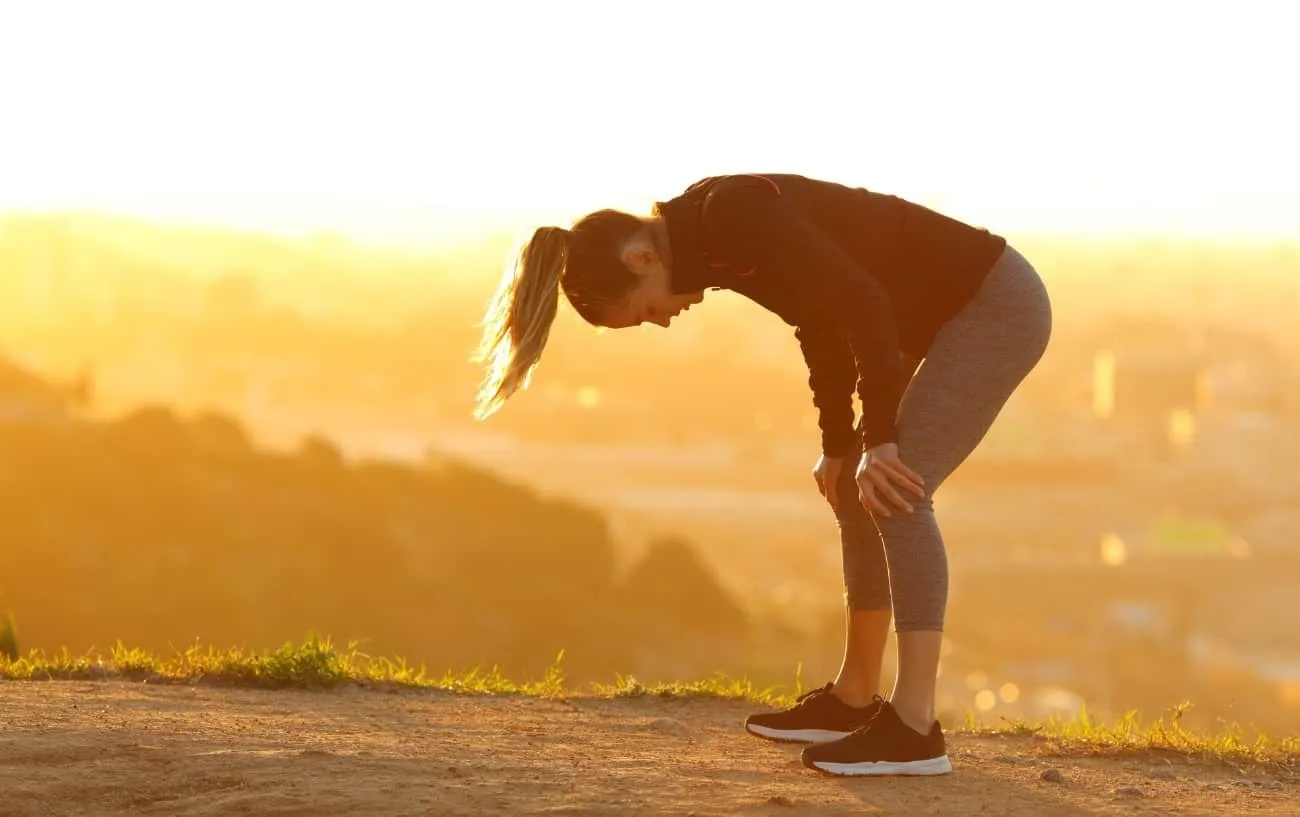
<point x="879" y="475"/>
<point x="827" y="473"/>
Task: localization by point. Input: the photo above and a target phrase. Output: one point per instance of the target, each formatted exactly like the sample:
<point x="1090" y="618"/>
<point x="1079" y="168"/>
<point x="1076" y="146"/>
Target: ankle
<point x="916" y="716"/>
<point x="854" y="695"/>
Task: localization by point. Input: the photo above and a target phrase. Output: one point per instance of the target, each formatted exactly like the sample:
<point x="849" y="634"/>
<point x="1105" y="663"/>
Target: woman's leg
<point x="835" y="710"/>
<point x="974" y="365"/>
<point x="867" y="601"/>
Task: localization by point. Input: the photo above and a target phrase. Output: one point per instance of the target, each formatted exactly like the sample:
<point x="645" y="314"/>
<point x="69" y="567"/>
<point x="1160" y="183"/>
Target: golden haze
<point x="227" y="436"/>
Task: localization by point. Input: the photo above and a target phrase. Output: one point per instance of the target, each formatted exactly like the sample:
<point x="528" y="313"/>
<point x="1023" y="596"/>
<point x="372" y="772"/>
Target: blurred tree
<point x="155" y="529"/>
<point x="673" y="605"/>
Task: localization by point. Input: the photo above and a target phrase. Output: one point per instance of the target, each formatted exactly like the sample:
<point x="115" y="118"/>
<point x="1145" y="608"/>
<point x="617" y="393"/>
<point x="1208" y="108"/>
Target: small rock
<point x="1053" y="776"/>
<point x="780" y="800"/>
<point x="1130" y="791"/>
<point x="1214" y="787"/>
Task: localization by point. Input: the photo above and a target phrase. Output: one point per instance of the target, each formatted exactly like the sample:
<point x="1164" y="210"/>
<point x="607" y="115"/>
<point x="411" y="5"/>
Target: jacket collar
<point x="689" y="270"/>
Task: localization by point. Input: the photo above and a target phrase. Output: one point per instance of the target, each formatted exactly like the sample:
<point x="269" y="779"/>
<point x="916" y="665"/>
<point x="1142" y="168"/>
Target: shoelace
<point x="810" y="693"/>
<point x="879" y="701"/>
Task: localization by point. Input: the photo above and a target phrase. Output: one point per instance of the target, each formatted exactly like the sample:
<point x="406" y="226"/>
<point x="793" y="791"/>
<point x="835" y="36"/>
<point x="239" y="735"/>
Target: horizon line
<point x="427" y="240"/>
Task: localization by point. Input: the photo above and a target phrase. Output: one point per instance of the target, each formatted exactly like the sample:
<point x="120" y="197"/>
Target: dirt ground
<point x="116" y="748"/>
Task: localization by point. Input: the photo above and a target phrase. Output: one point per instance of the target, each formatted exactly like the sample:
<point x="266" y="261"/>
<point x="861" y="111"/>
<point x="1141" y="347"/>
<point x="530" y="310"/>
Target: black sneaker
<point x="885" y="746"/>
<point x="816" y="717"/>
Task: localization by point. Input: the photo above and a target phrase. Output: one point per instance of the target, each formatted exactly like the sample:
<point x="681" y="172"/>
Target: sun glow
<point x="428" y="123"/>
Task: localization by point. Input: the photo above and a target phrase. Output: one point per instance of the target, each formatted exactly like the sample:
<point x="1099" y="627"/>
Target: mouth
<point x="680" y="310"/>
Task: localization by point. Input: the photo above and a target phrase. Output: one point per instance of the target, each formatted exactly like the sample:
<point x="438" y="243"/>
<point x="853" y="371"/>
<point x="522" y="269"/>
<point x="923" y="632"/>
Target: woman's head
<point x="614" y="269"/>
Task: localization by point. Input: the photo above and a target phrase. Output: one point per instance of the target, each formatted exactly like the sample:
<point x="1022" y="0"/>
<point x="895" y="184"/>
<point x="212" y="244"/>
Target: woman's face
<point x="652" y="299"/>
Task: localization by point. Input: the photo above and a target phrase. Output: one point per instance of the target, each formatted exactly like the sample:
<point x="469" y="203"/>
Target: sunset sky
<point x="424" y="122"/>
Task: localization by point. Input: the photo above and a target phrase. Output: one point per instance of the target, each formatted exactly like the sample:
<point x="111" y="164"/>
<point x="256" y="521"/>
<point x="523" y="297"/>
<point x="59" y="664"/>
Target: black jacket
<point x="864" y="277"/>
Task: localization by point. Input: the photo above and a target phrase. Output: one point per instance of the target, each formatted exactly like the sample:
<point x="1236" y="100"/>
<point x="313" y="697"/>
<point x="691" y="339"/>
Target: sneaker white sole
<point x="932" y="766"/>
<point x="796" y="735"/>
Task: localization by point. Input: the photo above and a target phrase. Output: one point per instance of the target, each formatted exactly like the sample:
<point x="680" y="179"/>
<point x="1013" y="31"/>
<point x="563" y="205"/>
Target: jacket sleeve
<point x="832" y="376"/>
<point x="839" y="294"/>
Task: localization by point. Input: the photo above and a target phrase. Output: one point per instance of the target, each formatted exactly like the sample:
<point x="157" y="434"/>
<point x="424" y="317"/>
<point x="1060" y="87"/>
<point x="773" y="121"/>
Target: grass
<point x="317" y="664"/>
<point x="1128" y="736"/>
<point x="8" y="637"/>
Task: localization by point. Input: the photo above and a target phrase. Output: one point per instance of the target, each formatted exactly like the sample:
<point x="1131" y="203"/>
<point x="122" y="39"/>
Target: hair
<point x="584" y="262"/>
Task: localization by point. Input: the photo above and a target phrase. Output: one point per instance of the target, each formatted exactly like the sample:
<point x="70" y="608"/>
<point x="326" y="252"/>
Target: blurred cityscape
<point x="1125" y="538"/>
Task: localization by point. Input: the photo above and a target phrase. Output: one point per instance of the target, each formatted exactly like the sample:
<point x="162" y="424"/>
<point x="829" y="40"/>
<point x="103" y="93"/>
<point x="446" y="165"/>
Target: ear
<point x="639" y="255"/>
<point x="639" y="251"/>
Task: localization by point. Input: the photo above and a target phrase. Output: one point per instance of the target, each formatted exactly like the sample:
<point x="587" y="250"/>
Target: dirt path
<point x="110" y="748"/>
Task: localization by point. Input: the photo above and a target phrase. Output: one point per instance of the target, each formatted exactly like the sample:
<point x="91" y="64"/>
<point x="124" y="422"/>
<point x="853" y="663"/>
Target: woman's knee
<point x="850" y="515"/>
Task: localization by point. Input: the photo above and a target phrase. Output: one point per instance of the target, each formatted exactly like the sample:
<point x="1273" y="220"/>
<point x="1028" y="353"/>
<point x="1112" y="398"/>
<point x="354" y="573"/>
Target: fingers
<point x="876" y="487"/>
<point x="829" y="495"/>
<point x="905" y="476"/>
<point x="915" y="477"/>
<point x="867" y="495"/>
<point x="880" y="479"/>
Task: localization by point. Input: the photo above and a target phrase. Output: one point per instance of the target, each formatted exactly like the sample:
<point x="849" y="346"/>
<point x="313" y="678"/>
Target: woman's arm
<point x="832" y="376"/>
<point x="766" y="232"/>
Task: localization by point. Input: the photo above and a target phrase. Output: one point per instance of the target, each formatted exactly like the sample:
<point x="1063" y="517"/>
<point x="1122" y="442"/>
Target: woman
<point x="869" y="281"/>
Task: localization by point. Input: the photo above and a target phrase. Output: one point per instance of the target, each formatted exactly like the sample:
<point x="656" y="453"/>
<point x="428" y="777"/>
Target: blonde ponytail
<point x="519" y="317"/>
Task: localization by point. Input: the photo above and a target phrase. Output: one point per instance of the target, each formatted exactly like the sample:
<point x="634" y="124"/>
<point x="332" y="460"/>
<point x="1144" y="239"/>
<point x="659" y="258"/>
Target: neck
<point x="677" y="223"/>
<point x="659" y="235"/>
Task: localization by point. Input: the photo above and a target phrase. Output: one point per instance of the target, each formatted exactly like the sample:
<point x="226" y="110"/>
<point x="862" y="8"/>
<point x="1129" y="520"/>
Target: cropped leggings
<point x="974" y="364"/>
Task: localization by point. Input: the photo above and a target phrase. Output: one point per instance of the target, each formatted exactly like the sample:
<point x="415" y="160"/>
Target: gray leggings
<point x="974" y="364"/>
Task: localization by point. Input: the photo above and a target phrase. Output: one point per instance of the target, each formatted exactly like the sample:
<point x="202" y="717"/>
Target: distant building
<point x="1144" y="386"/>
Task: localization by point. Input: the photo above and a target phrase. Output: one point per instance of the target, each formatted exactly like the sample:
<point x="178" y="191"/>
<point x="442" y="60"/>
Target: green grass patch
<point x="8" y="637"/>
<point x="317" y="664"/>
<point x="1130" y="736"/>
